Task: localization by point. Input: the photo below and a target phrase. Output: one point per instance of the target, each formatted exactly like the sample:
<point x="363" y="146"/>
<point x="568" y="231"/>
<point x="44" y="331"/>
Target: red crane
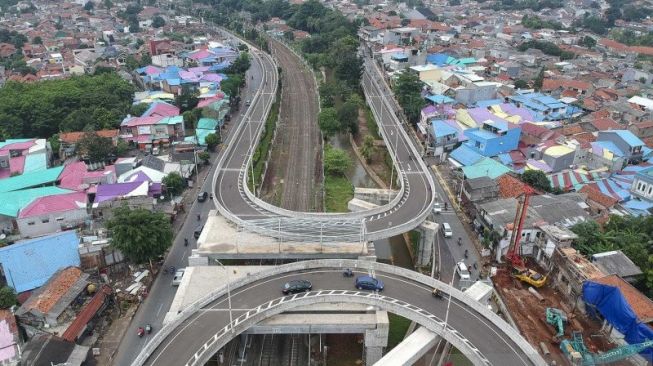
<point x="514" y="249"/>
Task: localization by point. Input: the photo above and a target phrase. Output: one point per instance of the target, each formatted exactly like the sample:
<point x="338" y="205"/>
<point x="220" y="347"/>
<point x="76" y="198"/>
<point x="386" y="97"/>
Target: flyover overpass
<point x="205" y="327"/>
<point x="237" y="203"/>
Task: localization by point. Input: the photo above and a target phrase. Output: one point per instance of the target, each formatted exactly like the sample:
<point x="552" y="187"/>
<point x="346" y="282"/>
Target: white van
<point x="446" y="230"/>
<point x="463" y="272"/>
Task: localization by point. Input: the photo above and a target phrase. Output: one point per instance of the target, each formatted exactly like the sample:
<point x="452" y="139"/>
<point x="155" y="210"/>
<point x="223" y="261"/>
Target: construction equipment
<point x="578" y="354"/>
<point x="557" y="318"/>
<point x="519" y="267"/>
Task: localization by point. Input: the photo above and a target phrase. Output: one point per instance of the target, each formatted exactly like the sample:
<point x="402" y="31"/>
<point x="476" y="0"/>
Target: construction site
<point x="572" y="310"/>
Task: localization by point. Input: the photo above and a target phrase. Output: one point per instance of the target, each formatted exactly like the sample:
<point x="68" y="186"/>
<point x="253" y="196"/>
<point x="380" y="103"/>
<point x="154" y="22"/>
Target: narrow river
<point x="392" y="250"/>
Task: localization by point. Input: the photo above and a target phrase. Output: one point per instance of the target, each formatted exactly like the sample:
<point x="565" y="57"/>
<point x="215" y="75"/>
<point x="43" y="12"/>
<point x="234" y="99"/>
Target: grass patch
<point x="372" y="127"/>
<point x="397" y="332"/>
<point x="263" y="148"/>
<point x="339" y="191"/>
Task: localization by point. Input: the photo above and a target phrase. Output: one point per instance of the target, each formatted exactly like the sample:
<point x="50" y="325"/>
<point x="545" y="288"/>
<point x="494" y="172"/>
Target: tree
<point x="122" y="147"/>
<point x="588" y="42"/>
<point x="348" y="117"/>
<point x="158" y="22"/>
<point x="187" y="100"/>
<point x="37" y="40"/>
<point x="539" y="79"/>
<point x="54" y="144"/>
<point x="454" y="2"/>
<point x="94" y="147"/>
<point x="368" y="149"/>
<point x="231" y="86"/>
<point x="189" y="120"/>
<point x="521" y="84"/>
<point x="537" y="179"/>
<point x="89" y="6"/>
<point x="141" y="235"/>
<point x="328" y="122"/>
<point x="134" y="27"/>
<point x="7" y="297"/>
<point x="108" y="4"/>
<point x="407" y="89"/>
<point x="174" y="183"/>
<point x="137" y="110"/>
<point x="240" y="64"/>
<point x="212" y="140"/>
<point x="205" y="157"/>
<point x="336" y="161"/>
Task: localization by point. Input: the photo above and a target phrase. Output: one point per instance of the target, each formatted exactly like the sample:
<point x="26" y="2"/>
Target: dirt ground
<point x="344" y="349"/>
<point x="529" y="314"/>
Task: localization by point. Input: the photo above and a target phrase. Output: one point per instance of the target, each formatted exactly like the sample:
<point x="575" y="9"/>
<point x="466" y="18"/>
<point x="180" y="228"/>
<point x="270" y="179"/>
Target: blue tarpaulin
<point x="612" y="305"/>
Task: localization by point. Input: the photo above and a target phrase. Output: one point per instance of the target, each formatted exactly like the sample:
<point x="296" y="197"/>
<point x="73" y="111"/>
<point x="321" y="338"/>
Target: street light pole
<point x="446" y="316"/>
<point x="231" y="318"/>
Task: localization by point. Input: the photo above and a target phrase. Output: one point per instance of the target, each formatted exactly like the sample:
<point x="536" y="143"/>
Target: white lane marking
<point x="159" y="310"/>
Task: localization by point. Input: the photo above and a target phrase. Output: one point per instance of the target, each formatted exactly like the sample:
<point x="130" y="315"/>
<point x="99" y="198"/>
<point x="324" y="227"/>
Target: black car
<point x="198" y="231"/>
<point x="295" y="286"/>
<point x="201" y="197"/>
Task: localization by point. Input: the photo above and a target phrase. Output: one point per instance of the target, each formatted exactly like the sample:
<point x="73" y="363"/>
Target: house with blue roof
<point x="29" y="264"/>
<point x="544" y="107"/>
<point x="494" y="137"/>
<point x="622" y="143"/>
<point x="444" y="137"/>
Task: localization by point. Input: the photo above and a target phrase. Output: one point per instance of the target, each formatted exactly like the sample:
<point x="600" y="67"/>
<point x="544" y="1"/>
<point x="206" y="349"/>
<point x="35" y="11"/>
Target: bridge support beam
<point x="411" y="349"/>
<point x="377" y="339"/>
<point x="428" y="231"/>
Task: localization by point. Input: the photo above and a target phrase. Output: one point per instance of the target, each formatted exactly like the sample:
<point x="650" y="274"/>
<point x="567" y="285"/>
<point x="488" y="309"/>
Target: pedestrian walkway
<point x="110" y="340"/>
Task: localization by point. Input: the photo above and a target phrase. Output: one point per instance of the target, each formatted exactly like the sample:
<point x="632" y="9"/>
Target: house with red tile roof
<point x="68" y="141"/>
<point x="47" y="303"/>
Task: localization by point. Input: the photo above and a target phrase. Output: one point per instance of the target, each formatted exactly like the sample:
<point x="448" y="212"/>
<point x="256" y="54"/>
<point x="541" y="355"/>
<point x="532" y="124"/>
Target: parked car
<point x="369" y="283"/>
<point x="202" y="196"/>
<point x="248" y="103"/>
<point x="198" y="231"/>
<point x="176" y="280"/>
<point x="446" y="230"/>
<point x="295" y="286"/>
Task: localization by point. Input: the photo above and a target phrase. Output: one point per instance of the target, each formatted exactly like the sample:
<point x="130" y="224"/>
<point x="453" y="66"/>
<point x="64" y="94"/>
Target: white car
<point x="446" y="230"/>
<point x="178" y="276"/>
<point x="462" y="271"/>
<point x="437" y="208"/>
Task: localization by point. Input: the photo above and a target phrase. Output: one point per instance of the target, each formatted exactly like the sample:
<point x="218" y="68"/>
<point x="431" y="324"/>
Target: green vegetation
<point x="328" y="122"/>
<point x="205" y="157"/>
<point x="527" y="4"/>
<point x="632" y="235"/>
<point x="368" y="149"/>
<point x="212" y="140"/>
<point x="338" y="191"/>
<point x="7" y="297"/>
<point x="47" y="107"/>
<point x="141" y="235"/>
<point x="261" y="153"/>
<point x="174" y="183"/>
<point x="588" y="42"/>
<point x="415" y="237"/>
<point x="536" y="179"/>
<point x="94" y="147"/>
<point x="548" y="48"/>
<point x="534" y="22"/>
<point x="407" y="90"/>
<point x="336" y="161"/>
<point x="630" y="38"/>
<point x="521" y="84"/>
<point x="397" y="330"/>
<point x="158" y="22"/>
<point x="137" y="110"/>
<point x="593" y="24"/>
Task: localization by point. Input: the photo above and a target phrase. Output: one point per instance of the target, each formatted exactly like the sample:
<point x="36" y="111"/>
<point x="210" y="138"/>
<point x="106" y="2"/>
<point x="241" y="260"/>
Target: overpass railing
<point x="512" y="333"/>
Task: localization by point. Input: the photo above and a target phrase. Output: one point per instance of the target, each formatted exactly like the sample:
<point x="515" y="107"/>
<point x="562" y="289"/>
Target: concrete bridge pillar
<point x="377" y="339"/>
<point x="428" y="231"/>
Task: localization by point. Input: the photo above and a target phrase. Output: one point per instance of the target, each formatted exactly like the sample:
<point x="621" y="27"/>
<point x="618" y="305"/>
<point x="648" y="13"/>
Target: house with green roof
<point x="13" y="201"/>
<point x="47" y="177"/>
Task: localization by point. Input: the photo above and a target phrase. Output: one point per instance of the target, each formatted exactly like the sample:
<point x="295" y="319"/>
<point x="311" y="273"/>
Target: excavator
<point x="557" y="318"/>
<point x="578" y="354"/>
<point x="520" y="271"/>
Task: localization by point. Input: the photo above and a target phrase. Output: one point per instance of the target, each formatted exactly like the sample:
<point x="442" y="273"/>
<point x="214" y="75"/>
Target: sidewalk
<point x="110" y="340"/>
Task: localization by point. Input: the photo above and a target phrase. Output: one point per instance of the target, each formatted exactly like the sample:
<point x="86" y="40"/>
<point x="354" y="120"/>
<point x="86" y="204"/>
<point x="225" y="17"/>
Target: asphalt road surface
<point x="298" y="134"/>
<point x="156" y="305"/>
<point x="190" y="336"/>
<point x="230" y="194"/>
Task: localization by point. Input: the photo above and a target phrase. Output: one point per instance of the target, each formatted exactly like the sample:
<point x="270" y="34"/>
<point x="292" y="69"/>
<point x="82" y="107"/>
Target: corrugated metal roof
<point x="86" y="314"/>
<point x="12" y="202"/>
<point x="33" y="179"/>
<point x="29" y="264"/>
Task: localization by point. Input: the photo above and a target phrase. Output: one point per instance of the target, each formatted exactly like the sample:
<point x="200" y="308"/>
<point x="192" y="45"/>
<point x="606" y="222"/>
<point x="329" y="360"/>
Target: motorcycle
<point x="140" y="331"/>
<point x="460" y="241"/>
<point x="437" y="294"/>
<point x="466" y="253"/>
<point x="185" y="242"/>
<point x="148" y="329"/>
<point x="348" y="273"/>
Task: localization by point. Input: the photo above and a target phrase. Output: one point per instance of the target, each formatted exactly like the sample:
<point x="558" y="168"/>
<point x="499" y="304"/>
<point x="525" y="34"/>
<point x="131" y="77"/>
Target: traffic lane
<point x="153" y="309"/>
<point x="182" y="343"/>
